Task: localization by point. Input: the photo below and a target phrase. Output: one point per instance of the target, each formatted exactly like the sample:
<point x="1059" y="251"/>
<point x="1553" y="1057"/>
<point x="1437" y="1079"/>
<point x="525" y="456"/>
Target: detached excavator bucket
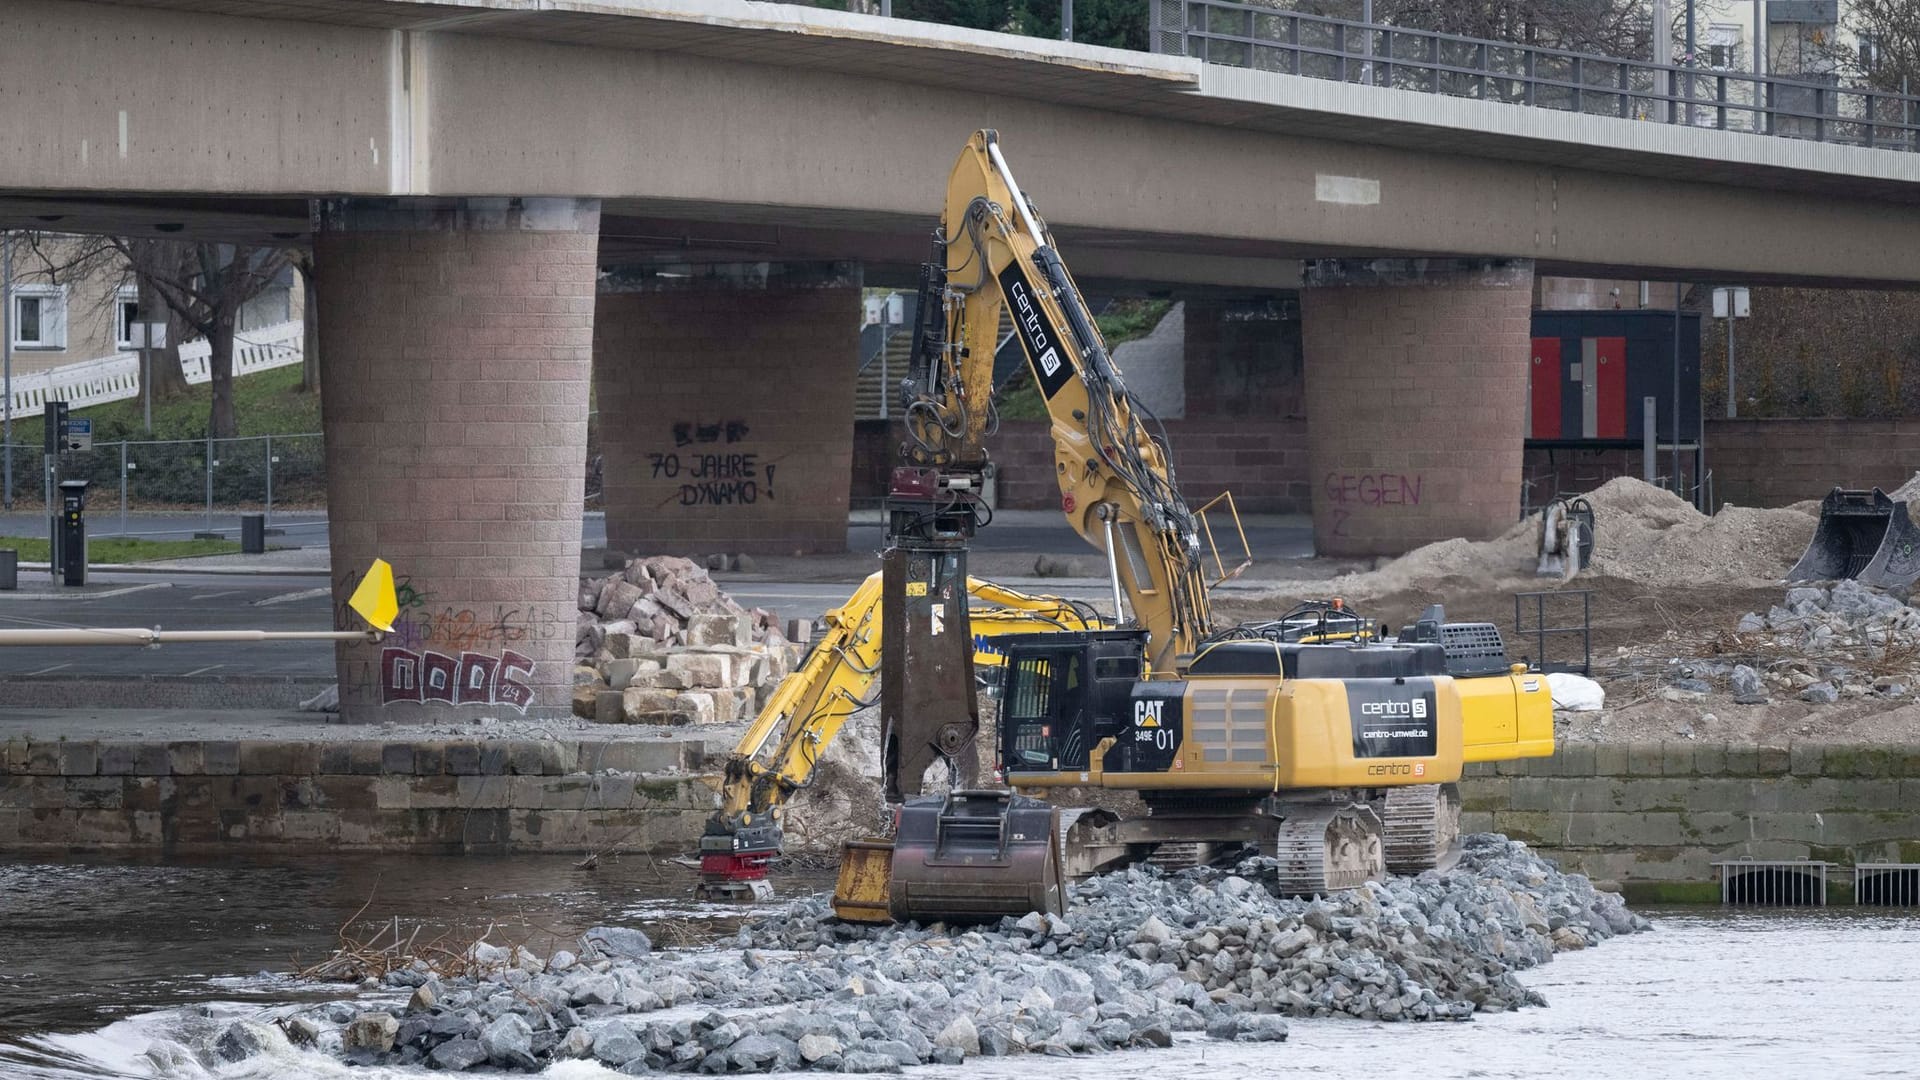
<point x="866" y="872"/>
<point x="974" y="856"/>
<point x="1862" y="535"/>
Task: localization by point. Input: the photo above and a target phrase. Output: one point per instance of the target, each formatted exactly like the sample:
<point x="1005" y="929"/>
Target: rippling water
<point x="100" y="961"/>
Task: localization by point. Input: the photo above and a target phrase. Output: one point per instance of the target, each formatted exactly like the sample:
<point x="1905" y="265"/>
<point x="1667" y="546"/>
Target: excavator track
<point x="1323" y="849"/>
<point x="1420" y="827"/>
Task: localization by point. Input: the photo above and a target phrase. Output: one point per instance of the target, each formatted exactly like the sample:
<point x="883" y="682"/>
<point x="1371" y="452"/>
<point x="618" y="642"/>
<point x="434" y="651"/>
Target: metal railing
<point x="1287" y="42"/>
<point x="254" y="474"/>
<point x="117" y="377"/>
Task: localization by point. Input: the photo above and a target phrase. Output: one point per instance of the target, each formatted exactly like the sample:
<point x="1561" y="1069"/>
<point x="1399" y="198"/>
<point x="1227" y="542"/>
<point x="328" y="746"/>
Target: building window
<point x="126" y="311"/>
<point x="1721" y="49"/>
<point x="39" y="317"/>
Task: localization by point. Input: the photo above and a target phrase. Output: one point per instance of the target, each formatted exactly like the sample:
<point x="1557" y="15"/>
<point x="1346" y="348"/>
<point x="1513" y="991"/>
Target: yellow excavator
<point x="775" y="758"/>
<point x="1319" y="738"/>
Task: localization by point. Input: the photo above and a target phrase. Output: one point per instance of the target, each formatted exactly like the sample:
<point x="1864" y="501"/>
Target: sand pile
<point x="1645" y="534"/>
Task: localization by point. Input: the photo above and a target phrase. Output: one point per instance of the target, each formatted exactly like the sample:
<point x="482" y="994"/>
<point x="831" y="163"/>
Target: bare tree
<point x="206" y="286"/>
<point x="1607" y="27"/>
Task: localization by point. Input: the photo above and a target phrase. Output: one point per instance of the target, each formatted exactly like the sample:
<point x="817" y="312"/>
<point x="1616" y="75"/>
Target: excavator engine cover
<point x="1862" y="535"/>
<point x="974" y="856"/>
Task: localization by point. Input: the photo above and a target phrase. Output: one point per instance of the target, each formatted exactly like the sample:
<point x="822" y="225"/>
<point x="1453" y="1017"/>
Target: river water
<point x="101" y="959"/>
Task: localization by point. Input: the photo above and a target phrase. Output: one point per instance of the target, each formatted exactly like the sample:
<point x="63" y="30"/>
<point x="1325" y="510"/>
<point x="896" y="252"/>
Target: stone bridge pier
<point x="1416" y="399"/>
<point x="725" y="398"/>
<point x="455" y="346"/>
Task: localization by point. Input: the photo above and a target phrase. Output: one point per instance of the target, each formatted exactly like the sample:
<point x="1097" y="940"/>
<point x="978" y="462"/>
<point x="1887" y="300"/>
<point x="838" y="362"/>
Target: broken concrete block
<point x="705" y="630"/>
<point x="644" y="705"/>
<point x="637" y="575"/>
<point x="616" y="598"/>
<point x="643" y="611"/>
<point x="620" y="672"/>
<point x="624" y="645"/>
<point x="586" y="701"/>
<point x="694" y="707"/>
<point x="657" y="679"/>
<point x="701" y="669"/>
<point x="608" y="707"/>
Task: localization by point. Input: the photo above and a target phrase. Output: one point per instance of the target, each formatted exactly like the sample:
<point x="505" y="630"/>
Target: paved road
<point x="1271" y="536"/>
<point x="280" y="602"/>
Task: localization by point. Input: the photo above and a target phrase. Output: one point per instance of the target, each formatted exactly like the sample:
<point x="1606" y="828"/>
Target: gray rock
<point x="1820" y="693"/>
<point x="1747" y="687"/>
<point x="508" y="1042"/>
<point x="241" y="1040"/>
<point x="300" y="1030"/>
<point x="457" y="1055"/>
<point x="961" y="1035"/>
<point x="861" y="1061"/>
<point x="758" y="1053"/>
<point x="815" y="1047"/>
<point x="576" y="1043"/>
<point x="618" y="942"/>
<point x="371" y="1031"/>
<point x="1751" y="623"/>
<point x="1692" y="685"/>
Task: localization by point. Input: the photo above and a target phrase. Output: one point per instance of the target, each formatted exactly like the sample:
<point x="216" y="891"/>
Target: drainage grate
<point x="1887" y="884"/>
<point x="1760" y="883"/>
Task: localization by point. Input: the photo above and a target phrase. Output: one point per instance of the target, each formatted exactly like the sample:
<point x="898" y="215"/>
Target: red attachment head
<point x="911" y="483"/>
<point x="1067" y="504"/>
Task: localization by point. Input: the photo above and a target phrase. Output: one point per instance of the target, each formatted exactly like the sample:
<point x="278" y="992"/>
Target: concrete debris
<point x="659" y="643"/>
<point x="1140" y="956"/>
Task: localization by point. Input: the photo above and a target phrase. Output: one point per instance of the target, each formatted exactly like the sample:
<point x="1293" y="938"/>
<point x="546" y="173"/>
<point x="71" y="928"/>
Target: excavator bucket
<point x="866" y="873"/>
<point x="1862" y="535"/>
<point x="974" y="856"/>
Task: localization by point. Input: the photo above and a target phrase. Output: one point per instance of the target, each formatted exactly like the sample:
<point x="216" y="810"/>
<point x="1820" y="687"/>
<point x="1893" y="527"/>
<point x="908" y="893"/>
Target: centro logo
<point x="1049" y="362"/>
<point x="1416" y="709"/>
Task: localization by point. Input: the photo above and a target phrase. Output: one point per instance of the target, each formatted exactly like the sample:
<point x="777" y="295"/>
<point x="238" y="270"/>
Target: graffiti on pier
<point x="469" y="679"/>
<point x="1345" y="491"/>
<point x="711" y="478"/>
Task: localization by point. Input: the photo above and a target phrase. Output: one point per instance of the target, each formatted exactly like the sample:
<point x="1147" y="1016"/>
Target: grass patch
<point x="1123" y="321"/>
<point x="265" y="403"/>
<point x="122" y="549"/>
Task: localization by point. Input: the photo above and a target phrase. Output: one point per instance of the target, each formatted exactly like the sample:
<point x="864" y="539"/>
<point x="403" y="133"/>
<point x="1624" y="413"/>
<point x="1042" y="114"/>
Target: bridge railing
<point x="1271" y="39"/>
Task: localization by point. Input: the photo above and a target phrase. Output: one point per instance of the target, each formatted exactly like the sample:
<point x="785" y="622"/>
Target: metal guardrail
<point x="117" y="377"/>
<point x="1773" y="882"/>
<point x="1288" y="42"/>
<point x="250" y="474"/>
<point x="1543" y="634"/>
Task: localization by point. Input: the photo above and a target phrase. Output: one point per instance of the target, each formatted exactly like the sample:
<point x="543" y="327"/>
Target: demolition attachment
<point x="1864" y="535"/>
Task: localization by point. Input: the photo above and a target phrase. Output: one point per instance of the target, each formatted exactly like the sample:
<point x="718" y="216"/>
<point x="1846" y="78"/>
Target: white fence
<point x="117" y="377"/>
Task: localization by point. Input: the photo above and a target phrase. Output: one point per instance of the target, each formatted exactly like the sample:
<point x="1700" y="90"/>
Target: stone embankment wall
<point x="452" y="796"/>
<point x="1656" y="816"/>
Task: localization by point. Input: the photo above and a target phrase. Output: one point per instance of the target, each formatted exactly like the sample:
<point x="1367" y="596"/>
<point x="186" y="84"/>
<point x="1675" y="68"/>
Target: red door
<point x="1610" y="413"/>
<point x="1544" y="377"/>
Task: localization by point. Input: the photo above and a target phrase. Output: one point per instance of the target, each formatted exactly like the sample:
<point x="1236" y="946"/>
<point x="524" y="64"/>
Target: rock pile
<point x="1141" y="955"/>
<point x="1839" y="639"/>
<point x="659" y="643"/>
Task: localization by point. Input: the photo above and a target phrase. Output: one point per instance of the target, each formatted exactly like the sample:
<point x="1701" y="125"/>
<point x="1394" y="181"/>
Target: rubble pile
<point x="659" y="643"/>
<point x="1830" y="641"/>
<point x="1139" y="956"/>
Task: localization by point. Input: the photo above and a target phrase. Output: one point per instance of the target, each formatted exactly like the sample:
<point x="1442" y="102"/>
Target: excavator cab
<point x="1063" y="694"/>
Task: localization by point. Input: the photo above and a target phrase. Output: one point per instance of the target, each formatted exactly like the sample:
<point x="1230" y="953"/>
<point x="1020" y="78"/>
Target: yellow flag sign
<point x="374" y="600"/>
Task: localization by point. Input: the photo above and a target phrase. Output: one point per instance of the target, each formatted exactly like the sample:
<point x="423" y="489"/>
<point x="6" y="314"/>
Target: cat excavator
<point x="1318" y="738"/>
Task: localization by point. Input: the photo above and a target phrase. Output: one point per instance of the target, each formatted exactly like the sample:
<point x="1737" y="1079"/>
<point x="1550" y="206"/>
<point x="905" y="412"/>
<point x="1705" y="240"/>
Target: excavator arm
<point x="778" y="753"/>
<point x="1117" y="488"/>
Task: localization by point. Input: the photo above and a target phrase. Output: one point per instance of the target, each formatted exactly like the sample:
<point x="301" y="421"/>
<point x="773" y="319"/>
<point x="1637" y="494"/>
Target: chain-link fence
<point x="215" y="477"/>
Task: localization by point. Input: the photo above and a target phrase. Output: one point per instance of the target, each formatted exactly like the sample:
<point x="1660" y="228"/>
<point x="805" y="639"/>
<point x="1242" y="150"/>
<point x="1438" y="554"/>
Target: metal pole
<point x="1759" y="50"/>
<point x="6" y="351"/>
<point x="1731" y="411"/>
<point x="146" y="377"/>
<point x="1678" y="291"/>
<point x="210" y="463"/>
<point x="269" y="514"/>
<point x="886" y="9"/>
<point x="123" y="487"/>
<point x="1066" y="20"/>
<point x="1366" y="38"/>
<point x="1663" y="56"/>
<point x="1649" y="423"/>
<point x="1690" y="63"/>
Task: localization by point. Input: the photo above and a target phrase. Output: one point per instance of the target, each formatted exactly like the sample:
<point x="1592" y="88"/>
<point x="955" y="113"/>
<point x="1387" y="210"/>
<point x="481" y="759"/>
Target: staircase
<point x="874" y="387"/>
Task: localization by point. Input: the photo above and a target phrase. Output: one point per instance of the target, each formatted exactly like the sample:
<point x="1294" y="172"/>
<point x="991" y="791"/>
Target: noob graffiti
<point x="470" y="679"/>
